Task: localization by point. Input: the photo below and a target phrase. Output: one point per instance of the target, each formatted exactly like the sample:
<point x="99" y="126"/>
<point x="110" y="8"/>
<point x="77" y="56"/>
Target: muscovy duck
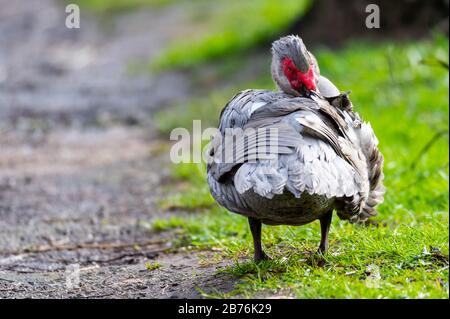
<point x="325" y="157"/>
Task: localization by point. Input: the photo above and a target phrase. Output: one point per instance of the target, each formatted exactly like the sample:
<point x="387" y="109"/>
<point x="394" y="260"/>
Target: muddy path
<point x="81" y="167"/>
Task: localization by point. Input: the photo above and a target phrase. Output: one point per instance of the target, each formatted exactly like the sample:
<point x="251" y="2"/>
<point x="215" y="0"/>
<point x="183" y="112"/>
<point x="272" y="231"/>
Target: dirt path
<point x="80" y="167"/>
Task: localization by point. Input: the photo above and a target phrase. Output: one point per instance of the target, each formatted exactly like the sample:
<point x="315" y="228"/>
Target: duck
<point x="296" y="155"/>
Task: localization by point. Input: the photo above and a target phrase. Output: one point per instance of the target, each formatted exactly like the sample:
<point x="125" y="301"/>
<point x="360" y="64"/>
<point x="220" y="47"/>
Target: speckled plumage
<point x="327" y="159"/>
<point x="325" y="162"/>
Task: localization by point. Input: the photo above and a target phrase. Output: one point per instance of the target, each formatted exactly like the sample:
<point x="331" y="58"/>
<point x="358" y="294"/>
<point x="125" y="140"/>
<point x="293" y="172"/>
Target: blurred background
<point x="85" y="118"/>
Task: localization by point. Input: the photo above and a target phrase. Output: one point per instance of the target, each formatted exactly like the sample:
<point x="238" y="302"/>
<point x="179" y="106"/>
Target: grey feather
<point x="320" y="152"/>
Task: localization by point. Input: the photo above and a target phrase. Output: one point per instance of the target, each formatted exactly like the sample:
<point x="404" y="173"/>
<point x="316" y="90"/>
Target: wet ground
<point x="81" y="168"/>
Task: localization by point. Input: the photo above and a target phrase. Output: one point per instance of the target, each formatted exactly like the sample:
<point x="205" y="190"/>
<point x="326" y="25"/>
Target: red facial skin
<point x="296" y="78"/>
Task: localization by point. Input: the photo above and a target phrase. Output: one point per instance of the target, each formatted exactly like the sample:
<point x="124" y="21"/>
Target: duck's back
<point x="308" y="164"/>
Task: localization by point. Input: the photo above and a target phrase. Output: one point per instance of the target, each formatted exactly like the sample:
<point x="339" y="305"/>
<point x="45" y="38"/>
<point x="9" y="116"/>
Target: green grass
<point x="196" y="196"/>
<point x="219" y="28"/>
<point x="152" y="266"/>
<point x="229" y="27"/>
<point x="406" y="256"/>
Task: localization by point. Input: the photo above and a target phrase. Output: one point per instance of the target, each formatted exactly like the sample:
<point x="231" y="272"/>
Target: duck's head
<point x="294" y="68"/>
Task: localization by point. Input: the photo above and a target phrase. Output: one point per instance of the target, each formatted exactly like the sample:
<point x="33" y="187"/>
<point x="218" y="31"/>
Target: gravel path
<point x="80" y="166"/>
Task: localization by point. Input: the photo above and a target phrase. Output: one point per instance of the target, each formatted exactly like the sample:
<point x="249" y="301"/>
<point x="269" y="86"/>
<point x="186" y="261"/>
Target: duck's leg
<point x="255" y="227"/>
<point x="325" y="223"/>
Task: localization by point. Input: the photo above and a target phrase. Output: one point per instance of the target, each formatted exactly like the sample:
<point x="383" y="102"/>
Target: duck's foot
<point x="257" y="257"/>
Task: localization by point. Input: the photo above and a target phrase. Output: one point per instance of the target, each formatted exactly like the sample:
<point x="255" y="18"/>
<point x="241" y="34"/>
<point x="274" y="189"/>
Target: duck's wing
<point x="253" y="109"/>
<point x="234" y="117"/>
<point x="311" y="152"/>
<point x="367" y="141"/>
<point x="320" y="161"/>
